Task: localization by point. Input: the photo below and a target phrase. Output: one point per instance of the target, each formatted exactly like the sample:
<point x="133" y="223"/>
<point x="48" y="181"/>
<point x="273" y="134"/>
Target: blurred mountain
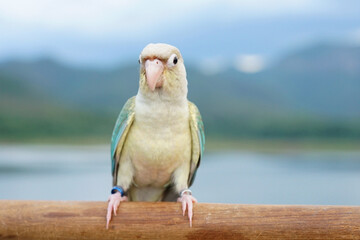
<point x="322" y="80"/>
<point x="314" y="92"/>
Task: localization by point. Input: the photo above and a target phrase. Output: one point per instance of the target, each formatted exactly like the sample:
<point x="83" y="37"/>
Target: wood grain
<point x="86" y="220"/>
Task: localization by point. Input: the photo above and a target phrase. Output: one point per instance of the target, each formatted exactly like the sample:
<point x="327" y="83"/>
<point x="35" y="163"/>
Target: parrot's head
<point x="162" y="71"/>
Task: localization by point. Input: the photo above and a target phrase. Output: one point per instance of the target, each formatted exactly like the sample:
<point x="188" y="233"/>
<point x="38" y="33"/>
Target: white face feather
<point x="173" y="78"/>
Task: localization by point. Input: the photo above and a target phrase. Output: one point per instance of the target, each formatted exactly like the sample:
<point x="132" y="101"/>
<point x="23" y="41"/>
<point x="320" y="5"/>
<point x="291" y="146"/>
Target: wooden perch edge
<point x="160" y="220"/>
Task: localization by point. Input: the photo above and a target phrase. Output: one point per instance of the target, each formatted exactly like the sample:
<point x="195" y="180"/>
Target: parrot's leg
<point x="187" y="201"/>
<point x="180" y="178"/>
<point x="124" y="178"/>
<point x="114" y="203"/>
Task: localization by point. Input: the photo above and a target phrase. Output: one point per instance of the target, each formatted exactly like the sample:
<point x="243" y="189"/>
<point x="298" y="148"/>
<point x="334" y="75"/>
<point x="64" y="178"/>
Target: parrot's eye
<point x="173" y="60"/>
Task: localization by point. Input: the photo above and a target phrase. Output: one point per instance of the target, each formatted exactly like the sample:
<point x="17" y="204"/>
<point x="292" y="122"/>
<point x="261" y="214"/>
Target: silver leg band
<point x="185" y="191"/>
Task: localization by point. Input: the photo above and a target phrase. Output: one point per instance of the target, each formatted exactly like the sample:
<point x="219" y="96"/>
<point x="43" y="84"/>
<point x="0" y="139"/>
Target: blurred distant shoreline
<point x="212" y="144"/>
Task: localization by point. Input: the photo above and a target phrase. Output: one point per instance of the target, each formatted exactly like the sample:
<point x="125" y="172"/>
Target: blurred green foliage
<point x="309" y="94"/>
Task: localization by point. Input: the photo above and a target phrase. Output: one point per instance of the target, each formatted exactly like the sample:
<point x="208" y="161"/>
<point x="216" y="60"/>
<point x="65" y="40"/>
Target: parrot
<point x="158" y="139"/>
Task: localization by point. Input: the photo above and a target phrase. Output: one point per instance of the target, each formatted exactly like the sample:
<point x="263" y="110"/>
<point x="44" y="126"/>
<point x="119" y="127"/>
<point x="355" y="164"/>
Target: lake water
<point x="83" y="173"/>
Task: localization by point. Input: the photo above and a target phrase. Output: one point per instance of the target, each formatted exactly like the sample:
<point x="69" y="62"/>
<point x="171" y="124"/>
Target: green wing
<point x="198" y="140"/>
<point x="122" y="126"/>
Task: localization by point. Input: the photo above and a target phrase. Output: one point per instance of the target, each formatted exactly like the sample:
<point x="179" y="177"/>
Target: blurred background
<point x="277" y="83"/>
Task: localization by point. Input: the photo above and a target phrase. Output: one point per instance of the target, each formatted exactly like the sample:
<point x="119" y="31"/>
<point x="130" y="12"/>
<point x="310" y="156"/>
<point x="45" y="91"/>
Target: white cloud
<point x="249" y="63"/>
<point x="113" y="17"/>
<point x="88" y="17"/>
<point x="82" y="30"/>
<point x="265" y="8"/>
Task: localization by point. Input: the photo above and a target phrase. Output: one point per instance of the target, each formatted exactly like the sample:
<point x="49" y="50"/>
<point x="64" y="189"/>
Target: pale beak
<point x="154" y="69"/>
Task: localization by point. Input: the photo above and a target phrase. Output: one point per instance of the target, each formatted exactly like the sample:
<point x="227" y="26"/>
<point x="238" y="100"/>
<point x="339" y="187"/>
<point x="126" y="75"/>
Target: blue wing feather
<point x="123" y="122"/>
<point x="201" y="134"/>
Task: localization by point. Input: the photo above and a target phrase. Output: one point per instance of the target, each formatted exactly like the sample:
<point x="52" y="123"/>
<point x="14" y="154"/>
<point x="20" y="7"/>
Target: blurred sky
<point x="110" y="32"/>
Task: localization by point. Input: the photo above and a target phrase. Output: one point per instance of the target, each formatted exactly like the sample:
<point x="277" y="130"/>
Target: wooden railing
<point x="135" y="220"/>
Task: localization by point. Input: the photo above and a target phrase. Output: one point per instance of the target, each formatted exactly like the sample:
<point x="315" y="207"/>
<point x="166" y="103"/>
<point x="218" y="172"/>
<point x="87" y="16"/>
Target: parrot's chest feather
<point x="160" y="141"/>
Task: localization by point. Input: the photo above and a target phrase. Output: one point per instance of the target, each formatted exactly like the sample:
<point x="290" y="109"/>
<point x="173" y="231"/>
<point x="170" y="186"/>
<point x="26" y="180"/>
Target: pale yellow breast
<point x="156" y="154"/>
<point x="158" y="141"/>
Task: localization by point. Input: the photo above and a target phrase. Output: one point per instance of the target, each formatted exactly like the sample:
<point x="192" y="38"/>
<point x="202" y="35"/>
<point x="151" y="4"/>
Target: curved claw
<point x="187" y="202"/>
<point x="114" y="203"/>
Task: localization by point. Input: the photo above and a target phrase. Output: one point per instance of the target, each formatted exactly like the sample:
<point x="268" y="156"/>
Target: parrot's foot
<point x="114" y="203"/>
<point x="187" y="200"/>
